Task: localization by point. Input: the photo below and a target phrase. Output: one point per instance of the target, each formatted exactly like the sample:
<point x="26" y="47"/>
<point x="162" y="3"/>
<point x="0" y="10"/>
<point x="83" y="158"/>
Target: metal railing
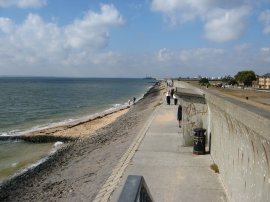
<point x="135" y="190"/>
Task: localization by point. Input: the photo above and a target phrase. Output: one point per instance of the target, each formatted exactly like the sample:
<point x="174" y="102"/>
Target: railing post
<point x="135" y="190"/>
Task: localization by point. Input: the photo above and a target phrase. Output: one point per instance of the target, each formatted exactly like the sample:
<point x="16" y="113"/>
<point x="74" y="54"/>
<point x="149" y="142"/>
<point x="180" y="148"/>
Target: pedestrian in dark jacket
<point x="168" y="98"/>
<point x="179" y="115"/>
<point x="175" y="99"/>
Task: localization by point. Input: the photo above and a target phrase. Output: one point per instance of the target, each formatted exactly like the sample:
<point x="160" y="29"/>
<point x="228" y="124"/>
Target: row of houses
<point x="263" y="82"/>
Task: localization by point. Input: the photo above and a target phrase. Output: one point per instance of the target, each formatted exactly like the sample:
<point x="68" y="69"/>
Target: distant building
<point x="264" y="81"/>
<point x="255" y="83"/>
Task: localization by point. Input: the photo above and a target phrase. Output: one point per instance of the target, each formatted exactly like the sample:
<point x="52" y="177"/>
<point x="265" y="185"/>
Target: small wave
<point x="32" y="166"/>
<point x="58" y="143"/>
<point x="116" y="105"/>
<point x="10" y="133"/>
<point x="37" y="128"/>
<point x="114" y="108"/>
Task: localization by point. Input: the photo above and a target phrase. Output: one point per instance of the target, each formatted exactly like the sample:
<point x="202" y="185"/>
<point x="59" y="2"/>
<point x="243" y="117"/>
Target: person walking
<point x="172" y="92"/>
<point x="175" y="99"/>
<point x="179" y="115"/>
<point x="168" y="98"/>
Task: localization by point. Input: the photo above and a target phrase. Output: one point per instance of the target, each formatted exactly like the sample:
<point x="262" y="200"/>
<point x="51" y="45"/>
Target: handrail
<point x="135" y="190"/>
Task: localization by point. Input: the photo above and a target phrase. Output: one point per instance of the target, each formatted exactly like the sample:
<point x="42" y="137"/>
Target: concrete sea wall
<point x="240" y="146"/>
<point x="194" y="111"/>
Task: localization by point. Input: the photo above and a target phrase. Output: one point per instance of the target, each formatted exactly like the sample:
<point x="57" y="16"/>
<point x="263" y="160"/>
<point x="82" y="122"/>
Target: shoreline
<point x="71" y="131"/>
<point x="71" y="115"/>
<point x="56" y="131"/>
<point x="62" y="123"/>
<point x="79" y="168"/>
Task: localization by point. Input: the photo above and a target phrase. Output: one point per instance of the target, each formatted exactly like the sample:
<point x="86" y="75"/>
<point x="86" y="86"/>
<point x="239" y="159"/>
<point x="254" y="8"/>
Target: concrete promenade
<point x="172" y="172"/>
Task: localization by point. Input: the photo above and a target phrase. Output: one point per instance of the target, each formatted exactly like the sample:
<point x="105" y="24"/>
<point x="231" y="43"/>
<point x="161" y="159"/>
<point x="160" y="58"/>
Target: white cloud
<point x="265" y="18"/>
<point x="264" y="54"/>
<point x="243" y="47"/>
<point x="222" y="21"/>
<point x="199" y="54"/>
<point x="210" y="61"/>
<point x="23" y="3"/>
<point x="176" y="11"/>
<point x="226" y="25"/>
<point x="92" y="29"/>
<point x="163" y="54"/>
<point x="36" y="42"/>
<point x="168" y="6"/>
<point x="6" y="25"/>
<point x="265" y="50"/>
<point x="188" y="55"/>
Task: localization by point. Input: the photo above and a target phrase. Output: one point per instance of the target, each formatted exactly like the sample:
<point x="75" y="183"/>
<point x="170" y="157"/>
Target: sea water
<point x="28" y="104"/>
<point x="18" y="155"/>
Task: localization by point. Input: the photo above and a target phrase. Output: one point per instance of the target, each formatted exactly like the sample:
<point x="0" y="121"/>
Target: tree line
<point x="243" y="77"/>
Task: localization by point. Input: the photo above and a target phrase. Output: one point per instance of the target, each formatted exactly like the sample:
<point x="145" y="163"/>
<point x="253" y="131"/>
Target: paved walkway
<point x="172" y="172"/>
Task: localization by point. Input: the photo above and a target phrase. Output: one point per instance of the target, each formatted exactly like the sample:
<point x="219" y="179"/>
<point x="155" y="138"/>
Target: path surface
<point x="172" y="172"/>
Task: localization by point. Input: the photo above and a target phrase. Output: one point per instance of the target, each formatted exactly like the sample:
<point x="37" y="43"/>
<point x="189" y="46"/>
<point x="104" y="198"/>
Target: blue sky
<point x="119" y="38"/>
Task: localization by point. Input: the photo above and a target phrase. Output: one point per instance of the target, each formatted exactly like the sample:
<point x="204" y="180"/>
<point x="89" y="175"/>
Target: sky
<point x="134" y="38"/>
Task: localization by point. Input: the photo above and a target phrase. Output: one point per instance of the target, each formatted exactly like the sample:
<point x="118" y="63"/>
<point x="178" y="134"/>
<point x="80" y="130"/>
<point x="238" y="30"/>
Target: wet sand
<point x="81" y="129"/>
<point x="78" y="170"/>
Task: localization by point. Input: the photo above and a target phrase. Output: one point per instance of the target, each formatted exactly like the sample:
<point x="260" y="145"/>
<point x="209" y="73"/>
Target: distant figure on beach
<point x="134" y="100"/>
<point x="175" y="99"/>
<point x="168" y="98"/>
<point x="129" y="102"/>
<point x="179" y="115"/>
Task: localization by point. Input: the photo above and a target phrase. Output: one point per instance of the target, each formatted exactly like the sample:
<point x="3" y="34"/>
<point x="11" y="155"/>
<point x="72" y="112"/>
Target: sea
<point x="32" y="103"/>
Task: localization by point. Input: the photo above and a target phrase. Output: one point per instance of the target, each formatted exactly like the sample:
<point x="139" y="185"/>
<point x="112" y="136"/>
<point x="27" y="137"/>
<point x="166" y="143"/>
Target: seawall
<point x="239" y="136"/>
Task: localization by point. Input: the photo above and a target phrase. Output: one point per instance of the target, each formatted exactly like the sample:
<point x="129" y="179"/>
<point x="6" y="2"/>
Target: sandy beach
<point x="82" y="129"/>
<point x="78" y="170"/>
